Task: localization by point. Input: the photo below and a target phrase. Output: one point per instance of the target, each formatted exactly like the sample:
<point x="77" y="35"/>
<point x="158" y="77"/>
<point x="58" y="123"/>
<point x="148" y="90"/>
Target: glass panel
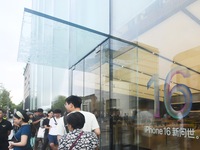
<point x="148" y="96"/>
<point x="124" y="94"/>
<point x="168" y="104"/>
<point x="92" y="97"/>
<point x="47" y="84"/>
<point x="45" y="40"/>
<point x="167" y="34"/>
<point x="105" y="96"/>
<point x="78" y="79"/>
<point x="127" y="25"/>
<point x="94" y="14"/>
<point x="173" y="92"/>
<point x="92" y="83"/>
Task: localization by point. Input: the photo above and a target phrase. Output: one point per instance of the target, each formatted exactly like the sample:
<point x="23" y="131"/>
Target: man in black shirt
<point x="5" y="129"/>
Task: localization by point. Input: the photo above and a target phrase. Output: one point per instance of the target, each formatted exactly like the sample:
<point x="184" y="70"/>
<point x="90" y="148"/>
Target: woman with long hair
<point x="21" y="140"/>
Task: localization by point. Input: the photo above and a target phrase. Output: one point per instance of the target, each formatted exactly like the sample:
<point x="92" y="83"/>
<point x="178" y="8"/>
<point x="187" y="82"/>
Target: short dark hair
<point x="75" y="100"/>
<point x="57" y="111"/>
<point x="40" y="110"/>
<point x="76" y="120"/>
<point x="50" y="111"/>
<point x="29" y="113"/>
<point x="24" y="115"/>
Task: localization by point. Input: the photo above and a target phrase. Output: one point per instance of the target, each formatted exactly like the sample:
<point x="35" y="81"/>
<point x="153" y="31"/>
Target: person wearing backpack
<point x="52" y="136"/>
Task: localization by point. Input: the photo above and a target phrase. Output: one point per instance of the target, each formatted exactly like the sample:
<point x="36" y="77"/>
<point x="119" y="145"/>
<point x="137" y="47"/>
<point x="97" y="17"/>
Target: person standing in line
<point x="36" y="123"/>
<point x="23" y="135"/>
<point x="77" y="138"/>
<point x="5" y="130"/>
<point x="73" y="104"/>
<point x="47" y="127"/>
<point x="33" y="129"/>
<point x="52" y="136"/>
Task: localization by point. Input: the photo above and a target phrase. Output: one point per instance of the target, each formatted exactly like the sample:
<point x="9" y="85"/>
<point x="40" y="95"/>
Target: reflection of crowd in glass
<point x="117" y="118"/>
<point x="79" y="127"/>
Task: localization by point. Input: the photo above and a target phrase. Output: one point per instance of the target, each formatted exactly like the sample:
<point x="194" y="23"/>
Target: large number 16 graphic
<point x="168" y="93"/>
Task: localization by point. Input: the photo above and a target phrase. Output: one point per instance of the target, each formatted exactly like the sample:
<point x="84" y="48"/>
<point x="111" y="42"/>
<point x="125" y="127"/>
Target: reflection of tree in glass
<point x="59" y="103"/>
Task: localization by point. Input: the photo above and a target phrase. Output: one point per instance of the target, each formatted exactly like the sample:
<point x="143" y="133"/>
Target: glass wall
<point x="90" y="80"/>
<point x="106" y="134"/>
<point x="143" y="91"/>
<point x="167" y="35"/>
<point x="124" y="89"/>
<point x="93" y="14"/>
<point x="141" y="99"/>
<point x="77" y="79"/>
<point x="45" y="43"/>
<point x="46" y="85"/>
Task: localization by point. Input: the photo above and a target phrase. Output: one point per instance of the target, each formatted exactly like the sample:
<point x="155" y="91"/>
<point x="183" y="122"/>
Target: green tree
<point x="19" y="107"/>
<point x="59" y="103"/>
<point x="5" y="99"/>
<point x="12" y="106"/>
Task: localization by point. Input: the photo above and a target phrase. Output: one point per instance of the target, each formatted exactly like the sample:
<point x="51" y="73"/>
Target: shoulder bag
<point x="40" y="133"/>
<point x="73" y="144"/>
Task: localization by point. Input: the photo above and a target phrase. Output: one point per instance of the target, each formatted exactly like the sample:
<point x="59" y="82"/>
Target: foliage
<point x="4" y="98"/>
<point x="5" y="101"/>
<point x="59" y="103"/>
<point x="19" y="107"/>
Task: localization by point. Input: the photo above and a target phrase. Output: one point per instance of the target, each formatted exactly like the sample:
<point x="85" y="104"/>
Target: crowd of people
<point x="75" y="130"/>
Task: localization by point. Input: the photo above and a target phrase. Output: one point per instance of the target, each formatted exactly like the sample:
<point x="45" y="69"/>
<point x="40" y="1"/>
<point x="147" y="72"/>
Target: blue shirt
<point x="23" y="130"/>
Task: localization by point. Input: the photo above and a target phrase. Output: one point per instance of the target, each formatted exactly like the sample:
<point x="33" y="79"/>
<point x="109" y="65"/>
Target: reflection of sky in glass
<point x="49" y="44"/>
<point x="174" y="37"/>
<point x="93" y="14"/>
<point x="123" y="12"/>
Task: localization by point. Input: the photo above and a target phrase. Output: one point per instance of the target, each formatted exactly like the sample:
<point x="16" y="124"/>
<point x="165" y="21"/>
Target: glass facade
<point x="135" y="105"/>
<point x="141" y="80"/>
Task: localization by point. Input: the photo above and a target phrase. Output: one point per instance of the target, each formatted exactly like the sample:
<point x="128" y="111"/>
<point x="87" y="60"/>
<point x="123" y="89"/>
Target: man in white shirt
<point x="73" y="104"/>
<point x="53" y="123"/>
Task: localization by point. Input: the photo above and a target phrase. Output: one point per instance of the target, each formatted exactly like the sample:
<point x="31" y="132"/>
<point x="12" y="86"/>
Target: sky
<point x="11" y="71"/>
